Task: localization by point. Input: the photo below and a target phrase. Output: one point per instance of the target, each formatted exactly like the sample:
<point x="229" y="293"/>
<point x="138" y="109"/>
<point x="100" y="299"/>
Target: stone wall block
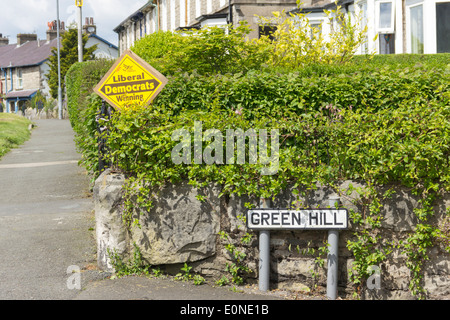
<point x="111" y="232"/>
<point x="179" y="228"/>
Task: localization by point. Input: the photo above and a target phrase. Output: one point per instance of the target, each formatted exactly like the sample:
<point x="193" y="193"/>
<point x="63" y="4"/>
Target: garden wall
<point x="381" y="121"/>
<point x="179" y="228"/>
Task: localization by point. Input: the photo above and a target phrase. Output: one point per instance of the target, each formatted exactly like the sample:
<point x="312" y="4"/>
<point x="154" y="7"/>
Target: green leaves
<point x="69" y="56"/>
<point x="209" y="50"/>
<point x="381" y="122"/>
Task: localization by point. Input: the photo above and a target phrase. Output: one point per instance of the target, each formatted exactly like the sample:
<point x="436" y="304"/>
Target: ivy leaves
<point x="380" y="123"/>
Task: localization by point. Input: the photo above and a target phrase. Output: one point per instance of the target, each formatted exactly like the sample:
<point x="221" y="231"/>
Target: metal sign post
<point x="265" y="219"/>
<point x="79" y="4"/>
<point x="264" y="253"/>
<point x="58" y="44"/>
<point x="332" y="259"/>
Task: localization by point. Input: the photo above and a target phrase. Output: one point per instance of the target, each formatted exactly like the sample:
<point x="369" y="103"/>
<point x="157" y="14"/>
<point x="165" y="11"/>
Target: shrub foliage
<point x="382" y="121"/>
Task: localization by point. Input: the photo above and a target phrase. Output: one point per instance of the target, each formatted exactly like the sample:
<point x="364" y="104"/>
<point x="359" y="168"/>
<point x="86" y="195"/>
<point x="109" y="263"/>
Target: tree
<point x="69" y="56"/>
<point x="296" y="42"/>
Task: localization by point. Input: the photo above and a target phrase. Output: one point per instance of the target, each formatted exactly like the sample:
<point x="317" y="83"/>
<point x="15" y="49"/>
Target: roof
<point x="212" y="16"/>
<point x="323" y="5"/>
<point x="21" y="94"/>
<point x="135" y="15"/>
<point x="31" y="53"/>
<point x="104" y="41"/>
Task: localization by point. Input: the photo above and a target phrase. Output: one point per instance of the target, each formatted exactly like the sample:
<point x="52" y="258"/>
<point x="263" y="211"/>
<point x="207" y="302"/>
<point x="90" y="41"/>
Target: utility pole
<point x="58" y="24"/>
<point x="230" y="13"/>
<point x="79" y="4"/>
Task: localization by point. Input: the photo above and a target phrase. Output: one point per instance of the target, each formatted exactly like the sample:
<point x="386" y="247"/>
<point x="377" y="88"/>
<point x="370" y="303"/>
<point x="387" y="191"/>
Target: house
<point x="402" y="26"/>
<point x="24" y="65"/>
<point x="105" y="49"/>
<point x="172" y="15"/>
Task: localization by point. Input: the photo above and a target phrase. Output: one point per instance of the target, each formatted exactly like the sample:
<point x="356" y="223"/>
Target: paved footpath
<point x="46" y="226"/>
<point x="45" y="215"/>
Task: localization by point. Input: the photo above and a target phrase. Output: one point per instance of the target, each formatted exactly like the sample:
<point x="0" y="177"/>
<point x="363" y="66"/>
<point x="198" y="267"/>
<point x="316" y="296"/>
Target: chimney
<point x="23" y="38"/>
<point x="4" y="41"/>
<point x="89" y="26"/>
<point x="52" y="31"/>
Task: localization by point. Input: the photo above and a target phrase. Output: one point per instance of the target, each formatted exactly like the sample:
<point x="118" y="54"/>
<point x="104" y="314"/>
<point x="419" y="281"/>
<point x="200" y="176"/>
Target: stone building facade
<point x="24" y="65"/>
<point x="23" y="69"/>
<point x="172" y="15"/>
<point x="399" y="26"/>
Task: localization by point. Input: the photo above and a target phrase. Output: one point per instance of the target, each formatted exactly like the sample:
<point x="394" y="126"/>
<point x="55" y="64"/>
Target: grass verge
<point x="13" y="132"/>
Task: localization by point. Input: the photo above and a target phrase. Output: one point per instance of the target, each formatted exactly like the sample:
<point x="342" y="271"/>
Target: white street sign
<point x="307" y="219"/>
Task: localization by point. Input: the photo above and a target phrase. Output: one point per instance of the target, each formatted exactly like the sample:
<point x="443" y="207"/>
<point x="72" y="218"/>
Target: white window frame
<point x="319" y="21"/>
<point x="408" y="25"/>
<point x="320" y="18"/>
<point x="391" y="29"/>
<point x="362" y="12"/>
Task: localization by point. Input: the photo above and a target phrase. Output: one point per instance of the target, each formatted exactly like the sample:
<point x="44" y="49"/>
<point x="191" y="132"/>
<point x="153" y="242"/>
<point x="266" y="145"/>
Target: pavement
<point x="47" y="231"/>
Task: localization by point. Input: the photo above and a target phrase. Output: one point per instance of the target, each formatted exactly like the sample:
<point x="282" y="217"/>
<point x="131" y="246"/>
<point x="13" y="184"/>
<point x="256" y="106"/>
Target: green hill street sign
<point x="307" y="219"/>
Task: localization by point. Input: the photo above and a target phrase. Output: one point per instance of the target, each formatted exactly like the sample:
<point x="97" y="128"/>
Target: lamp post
<point x="79" y="4"/>
<point x="59" y="62"/>
<point x="230" y="13"/>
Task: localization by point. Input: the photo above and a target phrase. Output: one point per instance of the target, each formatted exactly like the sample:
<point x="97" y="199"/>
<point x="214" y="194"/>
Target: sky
<point x="32" y="16"/>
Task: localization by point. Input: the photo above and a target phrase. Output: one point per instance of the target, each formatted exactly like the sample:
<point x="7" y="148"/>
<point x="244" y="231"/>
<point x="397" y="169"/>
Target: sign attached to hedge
<point x="130" y="81"/>
<point x="307" y="219"/>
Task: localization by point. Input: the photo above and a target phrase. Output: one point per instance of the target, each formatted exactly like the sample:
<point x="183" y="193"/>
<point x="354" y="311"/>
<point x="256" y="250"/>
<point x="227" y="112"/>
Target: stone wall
<point x="33" y="114"/>
<point x="180" y="229"/>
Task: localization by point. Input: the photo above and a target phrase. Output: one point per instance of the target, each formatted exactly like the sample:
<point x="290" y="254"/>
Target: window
<point x="19" y="78"/>
<point x="316" y="28"/>
<point x="385" y="16"/>
<point x="385" y="21"/>
<point x="267" y="31"/>
<point x="387" y="43"/>
<point x="385" y="27"/>
<point x="443" y="27"/>
<point x="362" y="14"/>
<point x="416" y="28"/>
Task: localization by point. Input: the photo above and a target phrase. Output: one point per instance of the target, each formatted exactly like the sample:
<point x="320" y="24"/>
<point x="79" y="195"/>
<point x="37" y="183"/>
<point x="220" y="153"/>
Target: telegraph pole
<point x="230" y="13"/>
<point x="79" y="4"/>
<point x="59" y="61"/>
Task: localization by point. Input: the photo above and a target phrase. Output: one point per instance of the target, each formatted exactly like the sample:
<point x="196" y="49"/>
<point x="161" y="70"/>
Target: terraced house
<point x="22" y="69"/>
<point x="172" y="15"/>
<point x="402" y="26"/>
<point x="24" y="65"/>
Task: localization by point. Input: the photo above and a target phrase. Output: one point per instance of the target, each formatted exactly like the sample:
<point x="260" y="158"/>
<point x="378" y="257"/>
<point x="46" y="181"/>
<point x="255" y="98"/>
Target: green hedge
<point x="382" y="121"/>
<point x="83" y="106"/>
<point x="376" y="88"/>
<point x="384" y="125"/>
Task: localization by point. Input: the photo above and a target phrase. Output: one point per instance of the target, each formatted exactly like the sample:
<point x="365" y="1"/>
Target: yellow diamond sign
<point x="130" y="81"/>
